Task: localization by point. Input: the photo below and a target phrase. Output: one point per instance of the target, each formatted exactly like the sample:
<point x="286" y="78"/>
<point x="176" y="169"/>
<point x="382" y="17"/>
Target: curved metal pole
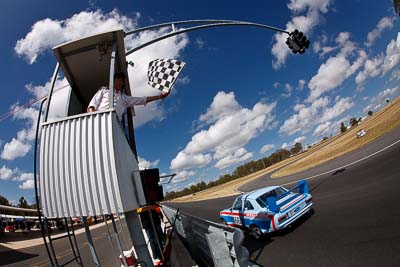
<point x="178" y="23"/>
<point x="36" y="183"/>
<point x="53" y="81"/>
<point x="239" y="23"/>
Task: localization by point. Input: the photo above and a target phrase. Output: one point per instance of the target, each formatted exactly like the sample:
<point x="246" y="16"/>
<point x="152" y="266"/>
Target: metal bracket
<point x="168" y="175"/>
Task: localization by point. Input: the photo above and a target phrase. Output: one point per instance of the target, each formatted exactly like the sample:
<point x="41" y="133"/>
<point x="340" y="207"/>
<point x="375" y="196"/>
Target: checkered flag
<point x="162" y="73"/>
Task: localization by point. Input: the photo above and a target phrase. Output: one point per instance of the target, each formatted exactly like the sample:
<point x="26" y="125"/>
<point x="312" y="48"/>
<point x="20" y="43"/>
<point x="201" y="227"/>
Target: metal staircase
<point x="51" y="238"/>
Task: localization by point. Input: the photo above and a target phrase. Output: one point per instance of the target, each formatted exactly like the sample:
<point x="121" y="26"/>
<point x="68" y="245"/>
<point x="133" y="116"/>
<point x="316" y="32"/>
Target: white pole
<point x="138" y="241"/>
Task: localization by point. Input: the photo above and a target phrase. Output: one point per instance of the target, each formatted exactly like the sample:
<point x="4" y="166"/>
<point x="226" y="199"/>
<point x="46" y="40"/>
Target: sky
<point x="241" y="96"/>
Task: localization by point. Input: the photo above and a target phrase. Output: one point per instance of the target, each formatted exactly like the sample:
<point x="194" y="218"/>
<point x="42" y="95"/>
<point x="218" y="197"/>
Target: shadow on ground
<point x="257" y="246"/>
<point x="10" y="256"/>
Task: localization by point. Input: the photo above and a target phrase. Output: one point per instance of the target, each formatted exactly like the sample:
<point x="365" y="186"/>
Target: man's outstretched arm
<point x="157" y="97"/>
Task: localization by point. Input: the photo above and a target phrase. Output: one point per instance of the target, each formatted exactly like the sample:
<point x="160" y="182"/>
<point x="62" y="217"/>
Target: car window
<point x="248" y="206"/>
<point x="280" y="191"/>
<point x="261" y="202"/>
<point x="238" y="203"/>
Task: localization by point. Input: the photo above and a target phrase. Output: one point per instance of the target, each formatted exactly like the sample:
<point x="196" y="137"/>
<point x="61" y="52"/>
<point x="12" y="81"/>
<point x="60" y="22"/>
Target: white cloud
<point x="183" y="80"/>
<point x="287" y="90"/>
<point x="329" y="128"/>
<point x="223" y="105"/>
<point x="381" y="64"/>
<point x="323" y="129"/>
<point x="58" y="105"/>
<point x="340" y="106"/>
<point x="392" y="58"/>
<point x="145" y="164"/>
<point x="25" y="177"/>
<point x="298" y="107"/>
<point x="305" y="23"/>
<point x="394" y="77"/>
<point x="182" y="176"/>
<point x="301" y="85"/>
<point x="346" y="46"/>
<point x="371" y="69"/>
<point x="320" y="47"/>
<point x="188" y="161"/>
<point x="330" y="75"/>
<point x="237" y="156"/>
<point x="317" y="113"/>
<point x="377" y="101"/>
<point x="232" y="127"/>
<point x="8" y="174"/>
<point x="299" y="139"/>
<point x="20" y="145"/>
<point x="305" y="118"/>
<point x="15" y="149"/>
<point x="199" y="42"/>
<point x="266" y="148"/>
<point x="384" y="23"/>
<point x="29" y="184"/>
<point x="48" y="33"/>
<point x="335" y="70"/>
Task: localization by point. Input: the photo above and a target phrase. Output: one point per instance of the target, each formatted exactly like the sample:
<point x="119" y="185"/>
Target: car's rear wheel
<point x="255" y="231"/>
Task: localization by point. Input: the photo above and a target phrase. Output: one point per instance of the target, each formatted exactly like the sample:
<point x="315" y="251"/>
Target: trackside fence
<point x="209" y="243"/>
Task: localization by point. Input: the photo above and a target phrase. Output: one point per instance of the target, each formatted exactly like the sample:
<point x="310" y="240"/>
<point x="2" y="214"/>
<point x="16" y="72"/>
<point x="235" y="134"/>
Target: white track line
<point x="344" y="166"/>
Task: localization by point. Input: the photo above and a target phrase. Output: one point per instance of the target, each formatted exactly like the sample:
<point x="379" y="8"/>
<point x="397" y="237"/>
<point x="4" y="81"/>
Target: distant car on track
<point x="268" y="209"/>
<point x="361" y="133"/>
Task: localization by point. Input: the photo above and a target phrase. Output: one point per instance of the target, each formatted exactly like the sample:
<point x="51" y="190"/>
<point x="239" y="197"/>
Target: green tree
<point x="342" y="127"/>
<point x="240" y="171"/>
<point x="353" y="122"/>
<point x="22" y="203"/>
<point x="296" y="148"/>
<point x="4" y="201"/>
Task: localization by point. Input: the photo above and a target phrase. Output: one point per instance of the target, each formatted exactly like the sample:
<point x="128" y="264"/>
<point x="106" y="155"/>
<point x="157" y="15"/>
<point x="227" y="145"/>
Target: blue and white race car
<point x="268" y="209"/>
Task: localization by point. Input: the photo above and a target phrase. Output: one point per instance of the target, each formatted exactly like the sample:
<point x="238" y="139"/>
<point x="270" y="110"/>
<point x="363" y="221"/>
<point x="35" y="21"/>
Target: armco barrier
<point x="209" y="243"/>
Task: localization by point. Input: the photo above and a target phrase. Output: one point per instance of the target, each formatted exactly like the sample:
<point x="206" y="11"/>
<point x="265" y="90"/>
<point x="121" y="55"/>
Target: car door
<point x="236" y="212"/>
<point x="248" y="213"/>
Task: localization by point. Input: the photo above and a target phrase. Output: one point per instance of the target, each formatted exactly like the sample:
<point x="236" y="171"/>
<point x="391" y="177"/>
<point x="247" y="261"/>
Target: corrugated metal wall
<point x="77" y="167"/>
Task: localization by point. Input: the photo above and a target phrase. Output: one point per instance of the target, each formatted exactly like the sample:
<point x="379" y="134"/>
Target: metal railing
<point x="209" y="243"/>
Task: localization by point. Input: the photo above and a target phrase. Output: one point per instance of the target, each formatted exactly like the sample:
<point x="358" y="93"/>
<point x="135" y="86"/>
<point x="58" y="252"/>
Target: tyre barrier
<point x="210" y="244"/>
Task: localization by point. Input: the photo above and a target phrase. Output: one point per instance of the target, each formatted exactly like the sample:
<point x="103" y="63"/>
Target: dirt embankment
<point x="380" y="123"/>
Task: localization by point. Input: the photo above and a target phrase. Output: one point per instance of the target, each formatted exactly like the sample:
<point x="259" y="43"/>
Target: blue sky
<point x="242" y="94"/>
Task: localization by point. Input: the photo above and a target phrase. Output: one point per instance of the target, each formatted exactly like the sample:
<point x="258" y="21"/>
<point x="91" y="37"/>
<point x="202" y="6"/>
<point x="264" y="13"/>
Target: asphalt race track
<point x="356" y="220"/>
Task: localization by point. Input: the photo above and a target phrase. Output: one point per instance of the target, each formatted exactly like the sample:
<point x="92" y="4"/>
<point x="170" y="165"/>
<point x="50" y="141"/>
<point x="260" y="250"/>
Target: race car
<point x="268" y="209"/>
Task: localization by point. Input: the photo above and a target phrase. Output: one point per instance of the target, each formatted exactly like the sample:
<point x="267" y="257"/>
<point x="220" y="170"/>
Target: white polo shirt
<point x="121" y="101"/>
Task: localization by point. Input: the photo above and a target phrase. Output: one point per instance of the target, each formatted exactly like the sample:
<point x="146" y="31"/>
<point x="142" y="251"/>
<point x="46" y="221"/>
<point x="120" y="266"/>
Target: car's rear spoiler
<point x="302" y="186"/>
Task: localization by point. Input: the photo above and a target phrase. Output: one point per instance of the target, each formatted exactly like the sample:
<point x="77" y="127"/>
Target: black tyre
<point x="255" y="231"/>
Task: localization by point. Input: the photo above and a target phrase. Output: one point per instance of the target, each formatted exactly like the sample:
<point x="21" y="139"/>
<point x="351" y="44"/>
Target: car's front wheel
<point x="255" y="231"/>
